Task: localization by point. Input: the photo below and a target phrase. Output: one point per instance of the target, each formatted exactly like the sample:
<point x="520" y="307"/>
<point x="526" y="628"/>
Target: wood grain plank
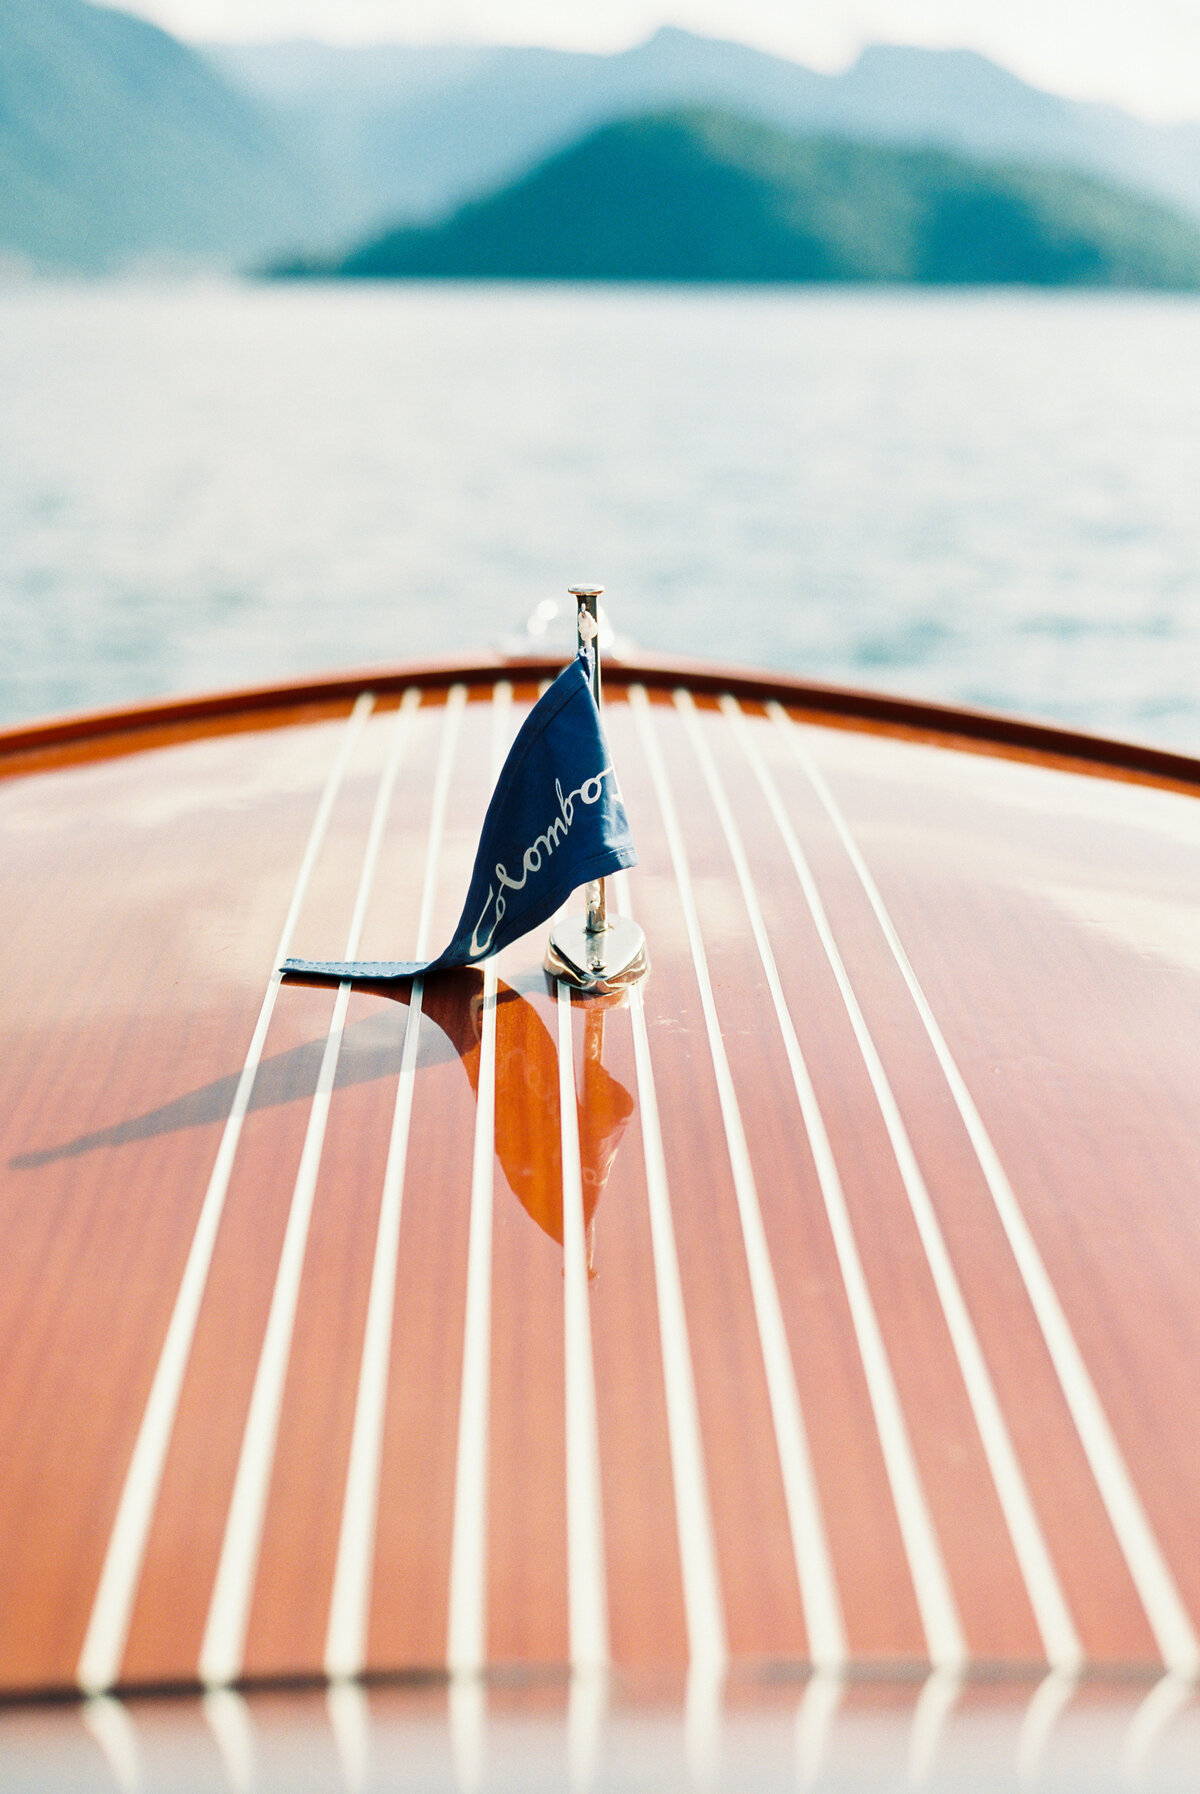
<point x="190" y="1519"/>
<point x="295" y="1572"/>
<point x="872" y="1577"/>
<point x="409" y="1609"/>
<point x="527" y="1521"/>
<point x="1048" y="918"/>
<point x="645" y="1587"/>
<point x="749" y="1513"/>
<point x="1064" y="1014"/>
<point x="958" y="1482"/>
<point x="107" y="1151"/>
<point x="304" y="1510"/>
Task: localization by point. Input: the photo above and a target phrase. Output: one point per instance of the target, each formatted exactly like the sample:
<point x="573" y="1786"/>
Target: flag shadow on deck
<point x="528" y="1120"/>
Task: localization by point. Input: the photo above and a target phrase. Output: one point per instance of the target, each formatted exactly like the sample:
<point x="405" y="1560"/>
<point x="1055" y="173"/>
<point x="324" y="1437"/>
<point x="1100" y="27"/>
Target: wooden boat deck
<point x="832" y="1302"/>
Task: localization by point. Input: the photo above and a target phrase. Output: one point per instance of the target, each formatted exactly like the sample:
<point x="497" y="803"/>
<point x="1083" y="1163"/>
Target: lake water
<point x="992" y="498"/>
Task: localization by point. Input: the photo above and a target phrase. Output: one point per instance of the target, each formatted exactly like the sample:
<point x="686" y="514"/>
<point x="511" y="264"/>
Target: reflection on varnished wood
<point x="528" y="1121"/>
<point x="777" y="1736"/>
<point x="371" y="1049"/>
<point x="528" y="1118"/>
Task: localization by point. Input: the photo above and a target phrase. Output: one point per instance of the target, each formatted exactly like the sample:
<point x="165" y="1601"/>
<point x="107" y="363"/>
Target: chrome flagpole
<point x="592" y="952"/>
<point x="587" y="599"/>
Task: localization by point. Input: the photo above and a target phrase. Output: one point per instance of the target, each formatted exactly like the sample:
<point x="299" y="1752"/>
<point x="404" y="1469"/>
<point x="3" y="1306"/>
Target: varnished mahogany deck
<point x="851" y="1321"/>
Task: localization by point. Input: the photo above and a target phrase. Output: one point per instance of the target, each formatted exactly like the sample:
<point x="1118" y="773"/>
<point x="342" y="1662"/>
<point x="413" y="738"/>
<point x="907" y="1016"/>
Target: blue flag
<point x="555" y="821"/>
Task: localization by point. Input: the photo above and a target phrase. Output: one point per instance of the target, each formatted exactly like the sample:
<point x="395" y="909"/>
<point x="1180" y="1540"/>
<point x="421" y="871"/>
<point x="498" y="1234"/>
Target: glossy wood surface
<point x="836" y="1415"/>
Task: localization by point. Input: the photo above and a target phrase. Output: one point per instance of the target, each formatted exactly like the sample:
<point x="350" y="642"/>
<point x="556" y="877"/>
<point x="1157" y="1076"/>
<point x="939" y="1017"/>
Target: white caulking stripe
<point x="349" y="1713"/>
<point x="703" y="1608"/>
<point x="232" y="1726"/>
<point x="108" y="1627"/>
<point x="933" y="1708"/>
<point x="114" y="1728"/>
<point x="228" y="1615"/>
<point x="814" y="1722"/>
<point x="466" y="1644"/>
<point x="943" y="1632"/>
<point x="401" y="732"/>
<point x="810" y="1545"/>
<point x="587" y="1710"/>
<point x="1049" y="1701"/>
<point x="349" y="1612"/>
<point x="814" y="1570"/>
<point x="1059" y="1637"/>
<point x="466" y="1641"/>
<point x="588" y="1606"/>
<point x="1167" y="1698"/>
<point x="224" y="1640"/>
<point x="1168" y="1617"/>
<point x="468" y="1725"/>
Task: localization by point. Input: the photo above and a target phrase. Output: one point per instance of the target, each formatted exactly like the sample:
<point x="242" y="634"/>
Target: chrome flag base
<point x="599" y="960"/>
<point x="595" y="952"/>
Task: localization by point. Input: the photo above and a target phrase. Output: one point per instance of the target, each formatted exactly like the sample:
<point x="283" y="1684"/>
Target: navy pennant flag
<point x="556" y="821"/>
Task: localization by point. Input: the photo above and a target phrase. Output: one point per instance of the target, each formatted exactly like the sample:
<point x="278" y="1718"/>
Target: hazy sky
<point x="1142" y="54"/>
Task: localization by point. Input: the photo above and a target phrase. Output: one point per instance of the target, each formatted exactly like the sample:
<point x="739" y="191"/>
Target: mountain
<point x="703" y="196"/>
<point x="417" y="129"/>
<point x="118" y="143"/>
<point x="413" y="131"/>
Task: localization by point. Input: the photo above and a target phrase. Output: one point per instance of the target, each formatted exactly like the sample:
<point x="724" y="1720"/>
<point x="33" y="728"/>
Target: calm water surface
<point x="988" y="498"/>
